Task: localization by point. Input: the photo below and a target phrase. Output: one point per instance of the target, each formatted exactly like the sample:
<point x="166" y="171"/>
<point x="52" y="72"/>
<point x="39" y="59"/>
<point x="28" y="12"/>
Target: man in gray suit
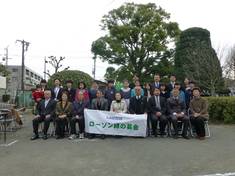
<point x="177" y="112"/>
<point x="99" y="103"/>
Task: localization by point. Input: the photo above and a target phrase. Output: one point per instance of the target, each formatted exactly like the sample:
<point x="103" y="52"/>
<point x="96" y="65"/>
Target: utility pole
<point x="6" y="58"/>
<point x="25" y="46"/>
<point x="45" y="67"/>
<point x="94" y="69"/>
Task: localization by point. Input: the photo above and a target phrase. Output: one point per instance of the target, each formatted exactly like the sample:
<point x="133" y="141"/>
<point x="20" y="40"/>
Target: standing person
<point x="171" y="85"/>
<point x="78" y="116"/>
<point x="164" y="92"/>
<point x="137" y="84"/>
<point x="181" y="93"/>
<point x="45" y="113"/>
<point x="93" y="90"/>
<point x="199" y="113"/>
<point x="138" y="103"/>
<point x="177" y="112"/>
<point x="37" y="95"/>
<point x="118" y="105"/>
<point x="147" y="90"/>
<point x="82" y="89"/>
<point x="110" y="92"/>
<point x="99" y="103"/>
<point x="186" y="85"/>
<point x="63" y="114"/>
<point x="134" y="79"/>
<point x="126" y="92"/>
<point x="157" y="107"/>
<point x="156" y="83"/>
<point x="56" y="91"/>
<point x="71" y="91"/>
<point x="43" y="84"/>
<point x="189" y="93"/>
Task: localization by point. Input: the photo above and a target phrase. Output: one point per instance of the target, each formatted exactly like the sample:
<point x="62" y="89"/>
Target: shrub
<point x="222" y="109"/>
<point x="74" y="75"/>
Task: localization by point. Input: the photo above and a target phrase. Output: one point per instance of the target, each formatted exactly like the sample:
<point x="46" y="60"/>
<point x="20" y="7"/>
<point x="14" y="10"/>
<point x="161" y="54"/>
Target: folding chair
<point x="206" y="123"/>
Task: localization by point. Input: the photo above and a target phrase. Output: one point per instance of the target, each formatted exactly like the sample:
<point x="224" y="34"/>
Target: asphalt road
<point x="118" y="156"/>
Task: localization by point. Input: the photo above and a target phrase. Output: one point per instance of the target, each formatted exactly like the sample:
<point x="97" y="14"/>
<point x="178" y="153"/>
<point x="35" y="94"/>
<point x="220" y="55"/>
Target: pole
<point x="22" y="67"/>
<point x="45" y="67"/>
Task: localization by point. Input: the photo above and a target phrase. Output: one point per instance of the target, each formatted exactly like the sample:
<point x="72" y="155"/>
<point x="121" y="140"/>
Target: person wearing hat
<point x="110" y="92"/>
<point x="70" y="90"/>
<point x="199" y="113"/>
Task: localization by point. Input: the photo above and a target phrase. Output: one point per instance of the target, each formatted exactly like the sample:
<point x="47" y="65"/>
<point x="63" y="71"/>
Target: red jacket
<point x="37" y="95"/>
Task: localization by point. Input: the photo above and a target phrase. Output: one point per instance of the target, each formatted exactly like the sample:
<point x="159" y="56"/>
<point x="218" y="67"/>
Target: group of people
<point x="163" y="104"/>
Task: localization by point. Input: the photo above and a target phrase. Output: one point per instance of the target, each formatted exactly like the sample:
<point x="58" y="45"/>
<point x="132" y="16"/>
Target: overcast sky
<point x="68" y="27"/>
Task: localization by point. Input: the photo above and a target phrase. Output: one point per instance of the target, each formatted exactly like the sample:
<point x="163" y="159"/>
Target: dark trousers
<point x="199" y="125"/>
<point x="60" y="126"/>
<point x="39" y="120"/>
<point x="185" y="122"/>
<point x="81" y="124"/>
<point x="162" y="120"/>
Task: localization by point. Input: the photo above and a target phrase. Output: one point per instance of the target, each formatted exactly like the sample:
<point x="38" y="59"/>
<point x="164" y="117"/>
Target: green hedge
<point x="222" y="109"/>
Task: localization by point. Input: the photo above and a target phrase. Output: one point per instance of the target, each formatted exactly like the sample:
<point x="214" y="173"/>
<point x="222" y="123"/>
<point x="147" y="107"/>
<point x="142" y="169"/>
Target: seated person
<point x="177" y="112"/>
<point x="78" y="116"/>
<point x="199" y="113"/>
<point x="118" y="105"/>
<point x="157" y="108"/>
<point x="138" y="103"/>
<point x="99" y="103"/>
<point x="63" y="113"/>
<point x="45" y="113"/>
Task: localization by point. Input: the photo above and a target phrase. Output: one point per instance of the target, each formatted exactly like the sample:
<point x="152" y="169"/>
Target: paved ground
<point x="119" y="157"/>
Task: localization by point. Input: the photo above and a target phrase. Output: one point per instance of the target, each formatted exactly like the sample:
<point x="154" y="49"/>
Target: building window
<point x="15" y="70"/>
<point x="27" y="72"/>
<point x="31" y="74"/>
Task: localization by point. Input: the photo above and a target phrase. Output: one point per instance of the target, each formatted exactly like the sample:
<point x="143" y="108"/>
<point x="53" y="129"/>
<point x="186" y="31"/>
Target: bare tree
<point x="56" y="63"/>
<point x="229" y="65"/>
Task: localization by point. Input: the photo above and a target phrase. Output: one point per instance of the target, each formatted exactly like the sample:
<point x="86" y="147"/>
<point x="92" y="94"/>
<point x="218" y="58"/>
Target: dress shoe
<point x="34" y="137"/>
<point x="45" y="137"/>
<point x="185" y="137"/>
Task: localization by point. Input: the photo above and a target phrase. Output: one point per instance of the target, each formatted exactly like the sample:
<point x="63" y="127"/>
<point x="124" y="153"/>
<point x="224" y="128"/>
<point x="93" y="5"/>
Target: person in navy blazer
<point x="70" y="90"/>
<point x="56" y="91"/>
<point x="45" y="113"/>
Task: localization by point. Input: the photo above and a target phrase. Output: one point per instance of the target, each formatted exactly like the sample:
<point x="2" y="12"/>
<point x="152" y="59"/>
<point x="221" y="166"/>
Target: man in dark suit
<point x="46" y="114"/>
<point x="138" y="103"/>
<point x="177" y="112"/>
<point x="56" y="91"/>
<point x="157" y="108"/>
<point x="71" y="91"/>
<point x="171" y="85"/>
<point x="156" y="83"/>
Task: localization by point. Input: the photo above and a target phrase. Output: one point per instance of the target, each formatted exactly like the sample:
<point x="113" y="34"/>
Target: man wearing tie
<point x="138" y="103"/>
<point x="177" y="112"/>
<point x="156" y="83"/>
<point x="171" y="85"/>
<point x="56" y="91"/>
<point x="157" y="108"/>
<point x="46" y="113"/>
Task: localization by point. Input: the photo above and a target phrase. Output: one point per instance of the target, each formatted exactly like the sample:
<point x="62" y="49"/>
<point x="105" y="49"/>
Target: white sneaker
<point x="72" y="137"/>
<point x="81" y="136"/>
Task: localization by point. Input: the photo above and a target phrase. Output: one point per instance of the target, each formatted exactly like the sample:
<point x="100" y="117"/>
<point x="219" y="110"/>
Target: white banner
<point x="111" y="123"/>
<point x="2" y="82"/>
